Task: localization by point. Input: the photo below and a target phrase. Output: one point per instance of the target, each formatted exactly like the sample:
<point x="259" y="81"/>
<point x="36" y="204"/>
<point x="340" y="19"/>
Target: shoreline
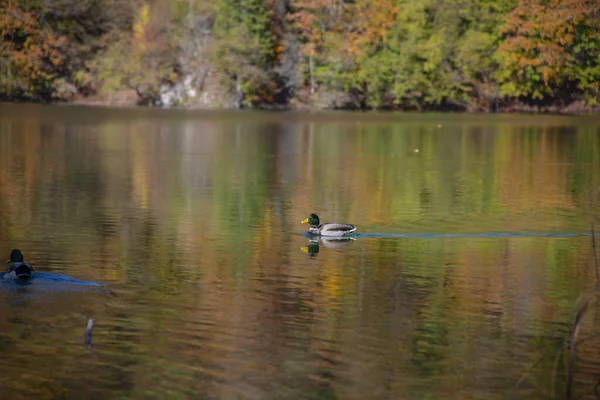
<point x="120" y="102"/>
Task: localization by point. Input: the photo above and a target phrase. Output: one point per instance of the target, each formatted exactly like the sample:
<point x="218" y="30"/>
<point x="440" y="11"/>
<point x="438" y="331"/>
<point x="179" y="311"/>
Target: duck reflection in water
<point x="332" y="242"/>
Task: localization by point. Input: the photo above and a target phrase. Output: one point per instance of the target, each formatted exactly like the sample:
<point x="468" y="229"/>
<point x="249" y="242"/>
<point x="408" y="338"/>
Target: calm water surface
<point x="461" y="284"/>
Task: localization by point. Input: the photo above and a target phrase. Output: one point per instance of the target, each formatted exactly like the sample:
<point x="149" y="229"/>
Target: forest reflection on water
<point x="469" y="257"/>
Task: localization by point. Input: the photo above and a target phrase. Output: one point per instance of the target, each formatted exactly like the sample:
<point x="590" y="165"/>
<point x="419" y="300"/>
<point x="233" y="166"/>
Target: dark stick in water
<point x="88" y="334"/>
<point x="568" y="347"/>
<point x="584" y="307"/>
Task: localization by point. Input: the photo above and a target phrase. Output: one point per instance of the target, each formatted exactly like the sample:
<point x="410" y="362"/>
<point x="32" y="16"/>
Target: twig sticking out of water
<point x="595" y="194"/>
<point x="585" y="306"/>
<point x="553" y="376"/>
<point x="88" y="334"/>
<point x="527" y="373"/>
<point x="595" y="258"/>
<point x="573" y="342"/>
<point x="569" y="345"/>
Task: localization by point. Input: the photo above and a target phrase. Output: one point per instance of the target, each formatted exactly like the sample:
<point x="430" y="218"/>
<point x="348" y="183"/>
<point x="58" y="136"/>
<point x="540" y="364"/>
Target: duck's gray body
<point x="19" y="270"/>
<point x="332" y="229"/>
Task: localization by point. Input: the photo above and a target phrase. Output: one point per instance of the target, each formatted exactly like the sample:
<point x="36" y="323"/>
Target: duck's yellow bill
<point x="305" y="221"/>
<point x="304" y="249"/>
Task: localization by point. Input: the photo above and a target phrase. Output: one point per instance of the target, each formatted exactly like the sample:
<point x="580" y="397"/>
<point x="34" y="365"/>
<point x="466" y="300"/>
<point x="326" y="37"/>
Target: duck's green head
<point x="312" y="220"/>
<point x="15" y="256"/>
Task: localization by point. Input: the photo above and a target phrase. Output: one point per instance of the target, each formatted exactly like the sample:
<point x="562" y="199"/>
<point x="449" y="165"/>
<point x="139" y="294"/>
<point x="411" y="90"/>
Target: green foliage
<point x="243" y="47"/>
<point x="548" y="47"/>
<point x="469" y="54"/>
<point x="432" y="54"/>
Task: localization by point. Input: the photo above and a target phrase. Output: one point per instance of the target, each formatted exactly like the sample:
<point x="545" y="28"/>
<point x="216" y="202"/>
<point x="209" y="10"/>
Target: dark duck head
<point x="313" y="221"/>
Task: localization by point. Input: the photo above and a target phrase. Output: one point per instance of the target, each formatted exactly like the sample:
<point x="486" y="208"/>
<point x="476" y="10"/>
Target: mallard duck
<point x="328" y="228"/>
<point x="19" y="269"/>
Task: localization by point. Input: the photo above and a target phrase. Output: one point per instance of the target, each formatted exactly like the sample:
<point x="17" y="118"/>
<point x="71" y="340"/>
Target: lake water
<point x="472" y="249"/>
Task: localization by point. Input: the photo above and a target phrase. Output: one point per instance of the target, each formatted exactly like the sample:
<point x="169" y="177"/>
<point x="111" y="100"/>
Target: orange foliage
<point x="361" y="24"/>
<point x="313" y="18"/>
<point x="540" y="32"/>
<point x="278" y="43"/>
<point x="34" y="53"/>
<point x="374" y="20"/>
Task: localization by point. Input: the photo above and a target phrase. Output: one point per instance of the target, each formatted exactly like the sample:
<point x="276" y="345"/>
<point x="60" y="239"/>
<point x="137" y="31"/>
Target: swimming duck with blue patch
<point x="315" y="227"/>
<point x="18" y="268"/>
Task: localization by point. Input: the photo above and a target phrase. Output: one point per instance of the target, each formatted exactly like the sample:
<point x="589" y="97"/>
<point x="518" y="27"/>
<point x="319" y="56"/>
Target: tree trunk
<point x="311" y="69"/>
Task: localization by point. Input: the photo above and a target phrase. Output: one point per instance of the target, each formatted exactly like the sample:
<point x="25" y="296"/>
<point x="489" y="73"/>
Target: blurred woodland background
<point x="474" y="55"/>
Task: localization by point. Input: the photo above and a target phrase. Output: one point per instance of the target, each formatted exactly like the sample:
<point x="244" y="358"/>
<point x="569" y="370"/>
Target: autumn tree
<point x="141" y="60"/>
<point x="32" y="55"/>
<point x="422" y="54"/>
<point x="369" y="73"/>
<point x="319" y="27"/>
<point x="550" y="46"/>
<point x="46" y="44"/>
